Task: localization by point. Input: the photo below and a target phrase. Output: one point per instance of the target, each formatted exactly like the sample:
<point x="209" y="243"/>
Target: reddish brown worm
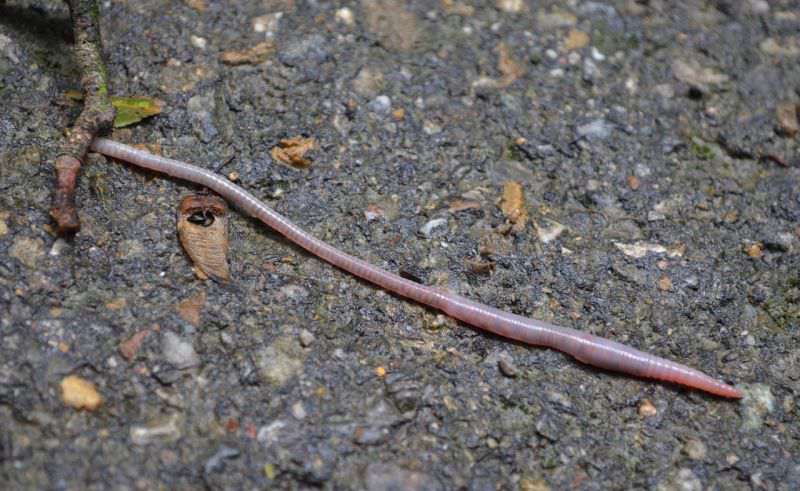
<point x="587" y="348"/>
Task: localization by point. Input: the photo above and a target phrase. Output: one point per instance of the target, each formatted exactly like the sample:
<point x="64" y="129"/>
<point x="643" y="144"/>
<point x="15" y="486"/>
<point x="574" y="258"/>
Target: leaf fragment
<point x="249" y="56"/>
<point x="130" y="110"/>
<point x="291" y="151"/>
<point x="513" y="205"/>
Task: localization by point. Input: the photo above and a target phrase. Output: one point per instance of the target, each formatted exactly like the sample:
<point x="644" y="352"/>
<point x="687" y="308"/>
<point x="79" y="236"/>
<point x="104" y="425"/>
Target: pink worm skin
<point x="587" y="348"/>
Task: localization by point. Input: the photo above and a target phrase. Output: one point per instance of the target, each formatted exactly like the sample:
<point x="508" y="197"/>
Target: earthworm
<point x="587" y="348"/>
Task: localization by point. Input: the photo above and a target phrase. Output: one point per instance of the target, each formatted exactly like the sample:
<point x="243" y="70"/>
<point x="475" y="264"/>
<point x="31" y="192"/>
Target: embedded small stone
<point x="178" y="352"/>
<point x="306" y="338"/>
<point x="80" y="393"/>
<point x="647" y="409"/>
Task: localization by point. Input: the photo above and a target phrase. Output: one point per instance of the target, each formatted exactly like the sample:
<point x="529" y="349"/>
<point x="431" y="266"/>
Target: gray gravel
<point x="662" y="183"/>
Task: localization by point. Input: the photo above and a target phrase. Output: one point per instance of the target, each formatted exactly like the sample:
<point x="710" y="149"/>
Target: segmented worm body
<point x="587" y="348"/>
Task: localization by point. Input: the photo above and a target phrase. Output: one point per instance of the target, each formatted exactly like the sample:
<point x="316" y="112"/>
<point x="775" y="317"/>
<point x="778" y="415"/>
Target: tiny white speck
<point x="597" y="55"/>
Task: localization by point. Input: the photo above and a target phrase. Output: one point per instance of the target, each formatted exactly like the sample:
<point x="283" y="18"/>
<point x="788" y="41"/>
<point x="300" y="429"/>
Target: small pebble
<point x="597" y="55"/>
<point x="198" y="42"/>
<point x="178" y="352"/>
<point x="755" y="250"/>
<point x="598" y="129"/>
<point x="79" y="393"/>
<point x="280" y="362"/>
<point x="431" y="128"/>
<point x="298" y="411"/>
<point x="550" y="232"/>
<point x="507" y="367"/>
<point x="165" y="429"/>
<point x="309" y="51"/>
<point x="428" y="228"/>
<point x="788" y="115"/>
<point x="382" y="105"/>
<point x="306" y="338"/>
<point x="345" y="16"/>
<point x="268" y="24"/>
<point x="58" y="246"/>
<point x="647" y="409"/>
<point x="590" y="70"/>
<point x="695" y="449"/>
<point x="511" y="6"/>
<point x="9" y="48"/>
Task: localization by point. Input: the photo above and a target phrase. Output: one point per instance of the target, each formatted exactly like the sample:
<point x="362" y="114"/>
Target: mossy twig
<point x="96" y="118"/>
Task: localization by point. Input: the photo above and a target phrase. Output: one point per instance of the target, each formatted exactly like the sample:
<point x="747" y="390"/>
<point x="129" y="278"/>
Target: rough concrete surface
<point x="656" y="146"/>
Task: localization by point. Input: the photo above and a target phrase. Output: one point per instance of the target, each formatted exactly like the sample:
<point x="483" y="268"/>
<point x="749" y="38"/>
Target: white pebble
<point x="198" y="42"/>
<point x="597" y="55"/>
<point x="428" y="228"/>
<point x="345" y="16"/>
<point x="298" y="411"/>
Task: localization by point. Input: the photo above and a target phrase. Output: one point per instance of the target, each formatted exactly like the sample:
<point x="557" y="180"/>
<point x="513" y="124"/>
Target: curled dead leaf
<point x="291" y="151"/>
<point x="203" y="232"/>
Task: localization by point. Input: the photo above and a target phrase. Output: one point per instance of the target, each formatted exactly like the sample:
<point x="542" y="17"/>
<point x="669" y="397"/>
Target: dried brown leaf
<point x="203" y="232"/>
<point x="513" y="205"/>
<point x="291" y="151"/>
<point x="510" y="68"/>
<point x="190" y="308"/>
<point x="249" y="56"/>
<point x="463" y="204"/>
<point x="130" y="346"/>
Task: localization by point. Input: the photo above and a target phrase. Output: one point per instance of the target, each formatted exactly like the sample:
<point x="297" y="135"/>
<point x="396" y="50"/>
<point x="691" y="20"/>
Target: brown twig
<point x="97" y="115"/>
